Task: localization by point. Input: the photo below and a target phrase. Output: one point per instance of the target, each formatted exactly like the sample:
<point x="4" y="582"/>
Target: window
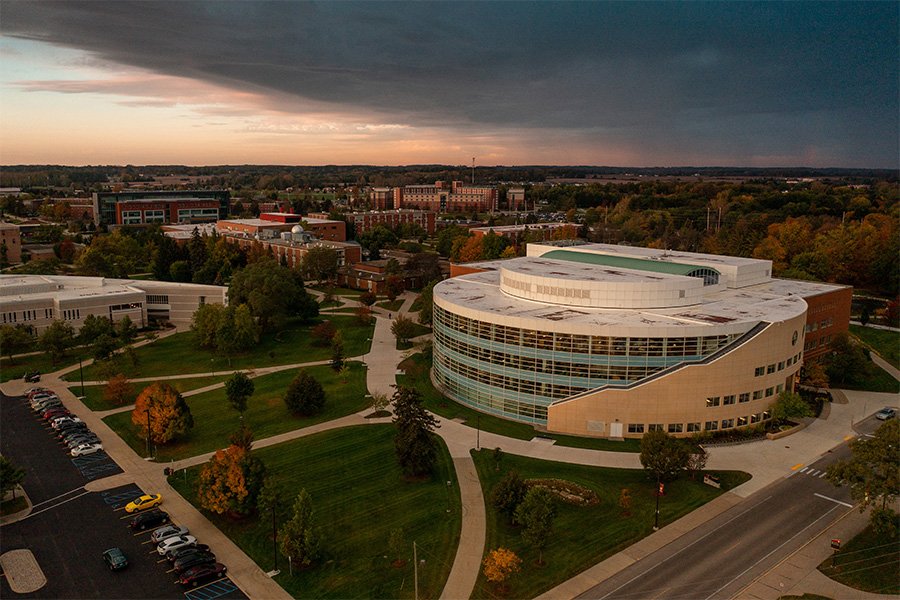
<point x="759" y="371"/>
<point x="655" y="427"/>
<point x="755" y="418"/>
<point x="728" y="399"/>
<point x="635" y="428"/>
<point x="781" y="365"/>
<point x="675" y="427"/>
<point x="757" y="395"/>
<point x="745" y="397"/>
<point x="770" y="369"/>
<point x="770" y="392"/>
<point x="727" y="423"/>
<point x="157" y="299"/>
<point x="711" y="425"/>
<point x="713" y="401"/>
<point x="741" y="421"/>
<point x="154" y="216"/>
<point x="692" y="427"/>
<point x="779" y="388"/>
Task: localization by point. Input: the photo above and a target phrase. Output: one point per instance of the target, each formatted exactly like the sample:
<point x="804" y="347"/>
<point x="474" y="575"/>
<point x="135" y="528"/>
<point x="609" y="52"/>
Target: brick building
<point x="437" y="197"/>
<point x="12" y="239"/>
<point x="366" y="221"/>
<point x="159" y="207"/>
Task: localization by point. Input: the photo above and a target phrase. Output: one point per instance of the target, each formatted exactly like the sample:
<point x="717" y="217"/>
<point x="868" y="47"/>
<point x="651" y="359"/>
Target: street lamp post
<point x="81" y="371"/>
<point x="478" y="432"/>
<point x="656" y="522"/>
<point x="274" y="540"/>
<point x="149" y="452"/>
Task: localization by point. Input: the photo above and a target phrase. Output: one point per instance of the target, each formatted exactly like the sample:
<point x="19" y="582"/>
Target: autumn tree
<point x="873" y="473"/>
<point x="403" y="328"/>
<point x="415" y="447"/>
<point x="56" y="339"/>
<point x="299" y="537"/>
<point x="305" y="395"/>
<point x="625" y="502"/>
<point x="697" y="460"/>
<point x="471" y="250"/>
<point x="230" y="482"/>
<point x="663" y="455"/>
<point x="118" y="390"/>
<point x="337" y="351"/>
<point x="508" y="493"/>
<point x="323" y="332"/>
<point x="813" y="373"/>
<point x="363" y="314"/>
<point x="368" y="298"/>
<point x="536" y="514"/>
<point x="170" y="415"/>
<point x="393" y="287"/>
<point x="238" y="389"/>
<point x="499" y="565"/>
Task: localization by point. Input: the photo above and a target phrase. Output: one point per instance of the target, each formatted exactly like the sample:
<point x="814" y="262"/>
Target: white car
<point x="83" y="449"/>
<point x="59" y="421"/>
<point x="164" y="533"/>
<point x="174" y="543"/>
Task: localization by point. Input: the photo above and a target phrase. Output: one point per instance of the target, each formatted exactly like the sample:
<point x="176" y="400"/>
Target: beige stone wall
<point x="681" y="396"/>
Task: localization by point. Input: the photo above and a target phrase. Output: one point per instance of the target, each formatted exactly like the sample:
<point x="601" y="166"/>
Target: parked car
<point x="115" y="559"/>
<point x="45" y="403"/>
<point x="152" y="518"/>
<point x="40" y="394"/>
<point x="56" y="413"/>
<point x="60" y="420"/>
<point x="197" y="575"/>
<point x="173" y="543"/>
<point x="32" y="377"/>
<point x="143" y="503"/>
<point x="885" y="414"/>
<point x="89" y="440"/>
<point x="35" y="390"/>
<point x="168" y="531"/>
<point x="85" y="449"/>
<point x="77" y="434"/>
<point x="70" y="429"/>
<point x="193" y="560"/>
<point x="174" y="555"/>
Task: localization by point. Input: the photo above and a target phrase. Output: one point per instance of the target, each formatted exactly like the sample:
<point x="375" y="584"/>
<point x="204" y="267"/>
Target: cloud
<point x="643" y="74"/>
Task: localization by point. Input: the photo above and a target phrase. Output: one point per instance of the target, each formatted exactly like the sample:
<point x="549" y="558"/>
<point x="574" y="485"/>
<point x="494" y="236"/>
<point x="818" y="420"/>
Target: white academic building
<point x="613" y="341"/>
<point x="38" y="300"/>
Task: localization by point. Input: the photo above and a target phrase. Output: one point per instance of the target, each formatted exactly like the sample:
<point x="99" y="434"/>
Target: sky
<point x="506" y="83"/>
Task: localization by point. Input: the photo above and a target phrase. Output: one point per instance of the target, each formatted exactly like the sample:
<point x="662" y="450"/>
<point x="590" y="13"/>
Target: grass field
<point x="93" y="394"/>
<point x="868" y="562"/>
<point x="14" y="505"/>
<point x="391" y="306"/>
<point x="266" y="415"/>
<point x="885" y="343"/>
<point x="359" y="497"/>
<point x="876" y="379"/>
<point x="584" y="535"/>
<point x="416" y="375"/>
<point x="290" y="345"/>
<point x="340" y="291"/>
<point x="17" y="368"/>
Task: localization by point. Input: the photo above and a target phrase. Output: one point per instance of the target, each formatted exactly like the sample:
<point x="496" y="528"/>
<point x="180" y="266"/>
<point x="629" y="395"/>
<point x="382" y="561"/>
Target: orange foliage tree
<point x="471" y="250"/>
<point x="170" y="415"/>
<point x="500" y="564"/>
<point x="230" y="481"/>
<point x="118" y="389"/>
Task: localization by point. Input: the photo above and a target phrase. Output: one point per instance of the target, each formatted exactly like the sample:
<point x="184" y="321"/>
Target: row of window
<point x="822" y="341"/>
<point x="129" y="306"/>
<point x="157" y="298"/>
<point x="136" y="217"/>
<point x="815" y="325"/>
<point x="780" y="366"/>
<point x="486" y="400"/>
<point x="27" y="315"/>
<point x="583" y="344"/>
<point x="744" y="397"/>
<point x="695" y="427"/>
<point x="71" y="314"/>
<point x="527" y="366"/>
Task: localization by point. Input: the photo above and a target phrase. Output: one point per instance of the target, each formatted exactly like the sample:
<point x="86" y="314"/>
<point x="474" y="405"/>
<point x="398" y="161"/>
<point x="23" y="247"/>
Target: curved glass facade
<point x="516" y="373"/>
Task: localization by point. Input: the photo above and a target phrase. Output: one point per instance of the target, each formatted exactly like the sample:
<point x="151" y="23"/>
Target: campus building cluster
<point x="159" y="207"/>
<point x="38" y="300"/>
<point x="436" y="197"/>
<point x="614" y="341"/>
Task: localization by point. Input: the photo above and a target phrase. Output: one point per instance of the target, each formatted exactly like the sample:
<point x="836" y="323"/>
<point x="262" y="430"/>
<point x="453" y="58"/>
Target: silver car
<point x="886" y="414"/>
<point x="173" y="543"/>
<point x="168" y="531"/>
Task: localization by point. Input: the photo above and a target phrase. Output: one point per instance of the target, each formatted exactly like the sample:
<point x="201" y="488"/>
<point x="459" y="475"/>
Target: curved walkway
<point x="767" y="461"/>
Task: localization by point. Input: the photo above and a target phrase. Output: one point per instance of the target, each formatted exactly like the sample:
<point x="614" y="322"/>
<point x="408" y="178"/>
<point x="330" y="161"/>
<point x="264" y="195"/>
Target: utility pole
<point x="416" y="571"/>
<point x="81" y="371"/>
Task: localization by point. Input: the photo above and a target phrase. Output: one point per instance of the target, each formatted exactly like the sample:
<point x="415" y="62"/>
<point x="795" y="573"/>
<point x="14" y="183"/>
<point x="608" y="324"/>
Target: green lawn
<point x="876" y="379"/>
<point x="291" y="345"/>
<point x="93" y="394"/>
<point x="582" y="536"/>
<point x="13" y="506"/>
<point x="359" y="497"/>
<point x="417" y="304"/>
<point x="885" y="343"/>
<point x="17" y="368"/>
<point x="340" y="291"/>
<point x="868" y="562"/>
<point x="266" y="415"/>
<point x="391" y="306"/>
<point x="416" y="375"/>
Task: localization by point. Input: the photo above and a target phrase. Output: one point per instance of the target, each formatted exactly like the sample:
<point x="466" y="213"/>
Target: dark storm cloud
<point x="733" y="80"/>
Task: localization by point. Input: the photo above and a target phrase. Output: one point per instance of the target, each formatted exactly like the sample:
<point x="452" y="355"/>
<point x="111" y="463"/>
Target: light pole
<point x="274" y="540"/>
<point x="81" y="371"/>
<point x="658" y="485"/>
<point x="478" y="432"/>
<point x="149" y="453"/>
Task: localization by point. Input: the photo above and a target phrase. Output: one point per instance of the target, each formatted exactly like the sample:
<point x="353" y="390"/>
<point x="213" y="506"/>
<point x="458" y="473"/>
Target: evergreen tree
<point x="300" y="539"/>
<point x="415" y="447"/>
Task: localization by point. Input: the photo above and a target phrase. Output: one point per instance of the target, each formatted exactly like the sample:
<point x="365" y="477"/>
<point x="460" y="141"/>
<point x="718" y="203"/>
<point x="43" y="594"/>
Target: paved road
<point x="726" y="554"/>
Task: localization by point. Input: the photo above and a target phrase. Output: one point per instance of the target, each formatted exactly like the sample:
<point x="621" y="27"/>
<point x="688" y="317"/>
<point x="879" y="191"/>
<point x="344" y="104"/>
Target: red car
<point x="201" y="574"/>
<point x="52" y="413"/>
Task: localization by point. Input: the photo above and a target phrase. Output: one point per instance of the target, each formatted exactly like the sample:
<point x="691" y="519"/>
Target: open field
<point x="215" y="420"/>
<point x="93" y="394"/>
<point x="359" y="496"/>
<point x="868" y="562"/>
<point x="885" y="343"/>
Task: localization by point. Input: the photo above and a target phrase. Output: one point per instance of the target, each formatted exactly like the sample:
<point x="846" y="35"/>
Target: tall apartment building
<point x="365" y="221"/>
<point x="12" y="239"/>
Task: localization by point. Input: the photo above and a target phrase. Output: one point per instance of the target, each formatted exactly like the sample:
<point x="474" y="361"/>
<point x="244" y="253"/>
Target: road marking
<point x="797" y="466"/>
<point x="56" y="505"/>
<point x="56" y="497"/>
<point x="706" y="535"/>
<point x="776" y="549"/>
<point x="813" y="472"/>
<point x="822" y="475"/>
<point x="833" y="500"/>
<point x="803" y="470"/>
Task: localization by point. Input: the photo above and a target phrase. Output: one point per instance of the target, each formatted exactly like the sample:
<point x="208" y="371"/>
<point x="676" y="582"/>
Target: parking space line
<point x="55" y="505"/>
<point x="803" y="470"/>
<point x="211" y="590"/>
<point x="59" y="496"/>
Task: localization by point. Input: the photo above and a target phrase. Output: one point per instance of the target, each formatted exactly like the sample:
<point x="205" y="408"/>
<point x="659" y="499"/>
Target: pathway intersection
<point x="766" y="461"/>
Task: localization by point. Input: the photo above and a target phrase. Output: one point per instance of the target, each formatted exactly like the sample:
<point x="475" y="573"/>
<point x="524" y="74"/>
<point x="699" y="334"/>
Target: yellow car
<point x="143" y="503"/>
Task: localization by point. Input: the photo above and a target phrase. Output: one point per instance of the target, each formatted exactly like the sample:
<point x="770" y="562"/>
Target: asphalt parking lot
<point x="69" y="527"/>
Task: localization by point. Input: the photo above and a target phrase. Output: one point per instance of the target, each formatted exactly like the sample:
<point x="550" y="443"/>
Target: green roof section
<point x="624" y="262"/>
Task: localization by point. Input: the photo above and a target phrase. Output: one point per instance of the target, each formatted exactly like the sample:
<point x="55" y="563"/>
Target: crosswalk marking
<point x="803" y="470"/>
<point x="822" y="475"/>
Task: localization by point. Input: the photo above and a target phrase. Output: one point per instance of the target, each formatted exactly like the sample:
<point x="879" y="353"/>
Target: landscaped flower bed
<point x="567" y="491"/>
